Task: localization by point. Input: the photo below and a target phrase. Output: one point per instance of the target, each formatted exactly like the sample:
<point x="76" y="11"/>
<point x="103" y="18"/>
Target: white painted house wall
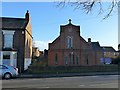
<point x="27" y="63"/>
<point x="11" y="62"/>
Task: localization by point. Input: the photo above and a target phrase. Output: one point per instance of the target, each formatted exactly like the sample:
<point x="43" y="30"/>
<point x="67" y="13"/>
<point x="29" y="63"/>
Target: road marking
<point x="101" y="84"/>
<point x="81" y="85"/>
<point x="44" y="87"/>
<point x="96" y="84"/>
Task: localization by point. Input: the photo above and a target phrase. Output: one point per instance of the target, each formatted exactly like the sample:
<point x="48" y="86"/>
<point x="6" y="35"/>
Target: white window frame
<point x="7" y="35"/>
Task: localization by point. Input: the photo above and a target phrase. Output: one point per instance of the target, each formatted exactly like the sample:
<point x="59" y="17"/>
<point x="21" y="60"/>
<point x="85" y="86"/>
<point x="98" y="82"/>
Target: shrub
<point x="116" y="61"/>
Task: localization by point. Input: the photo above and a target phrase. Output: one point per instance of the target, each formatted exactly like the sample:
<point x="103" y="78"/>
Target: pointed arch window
<point x="77" y="59"/>
<point x="69" y="42"/>
<point x="71" y="56"/>
<point x="66" y="60"/>
<point x="56" y="58"/>
<point x="86" y="59"/>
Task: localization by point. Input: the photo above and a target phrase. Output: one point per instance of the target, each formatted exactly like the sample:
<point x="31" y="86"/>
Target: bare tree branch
<point x="113" y="4"/>
<point x="100" y="8"/>
<point x="61" y="4"/>
<point x="88" y="5"/>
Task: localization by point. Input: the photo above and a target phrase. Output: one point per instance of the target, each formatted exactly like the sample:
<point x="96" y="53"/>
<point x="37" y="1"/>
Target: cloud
<point x="41" y="44"/>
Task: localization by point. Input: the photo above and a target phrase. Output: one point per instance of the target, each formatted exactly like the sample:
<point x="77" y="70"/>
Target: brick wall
<point x="81" y="48"/>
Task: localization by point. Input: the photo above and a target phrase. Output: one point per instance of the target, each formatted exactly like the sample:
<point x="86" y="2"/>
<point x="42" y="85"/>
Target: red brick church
<point x="70" y="49"/>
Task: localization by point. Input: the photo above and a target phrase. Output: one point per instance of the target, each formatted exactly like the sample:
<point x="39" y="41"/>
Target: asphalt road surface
<point x="102" y="81"/>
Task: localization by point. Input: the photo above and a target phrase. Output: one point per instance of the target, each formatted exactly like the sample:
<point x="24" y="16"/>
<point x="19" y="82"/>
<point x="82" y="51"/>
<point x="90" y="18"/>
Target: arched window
<point x="69" y="42"/>
<point x="66" y="60"/>
<point x="71" y="56"/>
<point x="56" y="58"/>
<point x="77" y="59"/>
<point x="86" y="59"/>
<point x="73" y="59"/>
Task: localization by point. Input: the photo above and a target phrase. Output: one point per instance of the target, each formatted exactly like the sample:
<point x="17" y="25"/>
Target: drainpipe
<point x="1" y="57"/>
<point x="103" y="55"/>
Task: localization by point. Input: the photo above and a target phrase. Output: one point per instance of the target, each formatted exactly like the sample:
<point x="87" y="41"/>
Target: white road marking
<point x="44" y="87"/>
<point x="100" y="84"/>
<point x="81" y="85"/>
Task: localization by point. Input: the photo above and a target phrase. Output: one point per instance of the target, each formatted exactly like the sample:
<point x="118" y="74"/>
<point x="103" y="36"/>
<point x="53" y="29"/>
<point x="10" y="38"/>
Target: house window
<point x="56" y="58"/>
<point x="115" y="54"/>
<point x="6" y="58"/>
<point x="69" y="42"/>
<point x="6" y="55"/>
<point x="8" y="38"/>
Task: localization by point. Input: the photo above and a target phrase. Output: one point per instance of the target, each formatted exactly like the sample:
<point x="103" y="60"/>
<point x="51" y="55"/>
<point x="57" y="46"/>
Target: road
<point x="102" y="81"/>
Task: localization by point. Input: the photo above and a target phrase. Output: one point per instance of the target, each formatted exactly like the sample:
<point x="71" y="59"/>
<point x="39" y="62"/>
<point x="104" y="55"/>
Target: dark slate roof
<point x="96" y="46"/>
<point x="108" y="49"/>
<point x="13" y="23"/>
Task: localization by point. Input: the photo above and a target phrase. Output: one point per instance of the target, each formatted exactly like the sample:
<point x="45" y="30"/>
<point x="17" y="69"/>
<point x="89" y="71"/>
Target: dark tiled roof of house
<point x="96" y="46"/>
<point x="108" y="49"/>
<point x="13" y="23"/>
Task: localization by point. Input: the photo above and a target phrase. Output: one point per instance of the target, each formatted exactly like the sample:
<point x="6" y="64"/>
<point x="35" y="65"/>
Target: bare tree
<point x="88" y="5"/>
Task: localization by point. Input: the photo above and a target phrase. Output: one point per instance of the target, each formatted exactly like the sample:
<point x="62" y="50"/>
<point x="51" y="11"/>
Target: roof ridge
<point x="12" y="18"/>
<point x="107" y="46"/>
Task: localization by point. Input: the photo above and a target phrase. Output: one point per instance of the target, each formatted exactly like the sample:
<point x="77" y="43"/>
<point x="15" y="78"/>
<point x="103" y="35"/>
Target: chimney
<point x="27" y="16"/>
<point x="89" y="40"/>
<point x="119" y="47"/>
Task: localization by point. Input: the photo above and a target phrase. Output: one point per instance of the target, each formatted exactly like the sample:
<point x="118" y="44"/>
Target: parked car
<point x="8" y="72"/>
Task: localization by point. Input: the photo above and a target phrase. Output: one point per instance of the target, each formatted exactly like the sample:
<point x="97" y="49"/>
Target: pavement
<point x="24" y="75"/>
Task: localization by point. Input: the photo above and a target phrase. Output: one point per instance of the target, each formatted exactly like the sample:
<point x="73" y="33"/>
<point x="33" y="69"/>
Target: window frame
<point x="8" y="34"/>
<point x="69" y="42"/>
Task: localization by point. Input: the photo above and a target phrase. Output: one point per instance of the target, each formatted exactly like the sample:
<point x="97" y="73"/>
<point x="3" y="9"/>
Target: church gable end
<point x="70" y="48"/>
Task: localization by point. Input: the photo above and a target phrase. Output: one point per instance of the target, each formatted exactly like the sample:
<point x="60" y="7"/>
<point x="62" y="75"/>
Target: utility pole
<point x="118" y="22"/>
